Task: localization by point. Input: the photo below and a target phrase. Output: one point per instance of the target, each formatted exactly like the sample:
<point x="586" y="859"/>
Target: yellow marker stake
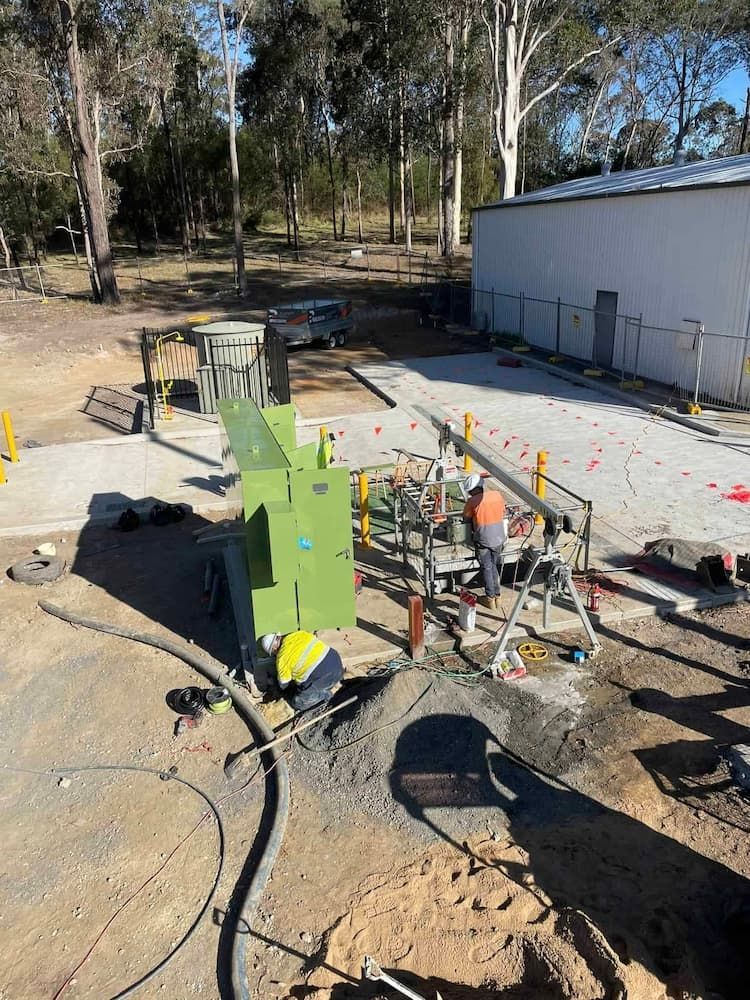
<point x="468" y="421"/>
<point x="364" y="510"/>
<point x="541" y="482"/>
<point x="2" y="472"/>
<point x="9" y="437"/>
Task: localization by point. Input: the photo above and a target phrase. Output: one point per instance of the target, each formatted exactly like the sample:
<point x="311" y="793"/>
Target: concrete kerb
<point x="376" y="390"/>
<point x="602" y="387"/>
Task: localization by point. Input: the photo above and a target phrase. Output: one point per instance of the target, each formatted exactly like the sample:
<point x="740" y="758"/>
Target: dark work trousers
<point x="318" y="687"/>
<point x="489" y="560"/>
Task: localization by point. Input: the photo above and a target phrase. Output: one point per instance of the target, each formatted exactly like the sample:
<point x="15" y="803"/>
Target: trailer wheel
<point x="330" y="341"/>
<point x="341" y="338"/>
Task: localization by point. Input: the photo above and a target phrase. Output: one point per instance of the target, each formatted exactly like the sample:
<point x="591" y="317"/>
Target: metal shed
<point x="625" y="270"/>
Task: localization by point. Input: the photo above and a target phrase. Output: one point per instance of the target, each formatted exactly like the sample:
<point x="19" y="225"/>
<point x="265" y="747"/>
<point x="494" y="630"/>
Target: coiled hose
<point x="278" y="778"/>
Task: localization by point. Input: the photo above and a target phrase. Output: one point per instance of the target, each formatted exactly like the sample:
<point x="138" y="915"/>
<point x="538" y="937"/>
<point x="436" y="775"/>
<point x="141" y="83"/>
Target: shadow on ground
<point x="681" y="915"/>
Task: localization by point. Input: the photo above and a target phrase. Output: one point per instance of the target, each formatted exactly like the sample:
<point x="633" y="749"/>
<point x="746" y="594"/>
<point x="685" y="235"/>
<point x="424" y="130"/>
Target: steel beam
<point x="520" y="490"/>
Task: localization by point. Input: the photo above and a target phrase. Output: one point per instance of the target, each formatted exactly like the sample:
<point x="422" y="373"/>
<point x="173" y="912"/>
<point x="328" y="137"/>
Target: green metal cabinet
<point x="297" y="518"/>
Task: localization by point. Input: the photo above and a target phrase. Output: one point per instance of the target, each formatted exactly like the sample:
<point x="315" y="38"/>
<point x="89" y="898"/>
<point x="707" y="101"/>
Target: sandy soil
<point x="602" y="794"/>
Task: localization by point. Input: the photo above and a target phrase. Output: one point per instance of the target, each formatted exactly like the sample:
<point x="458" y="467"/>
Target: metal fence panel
<point x="540" y="323"/>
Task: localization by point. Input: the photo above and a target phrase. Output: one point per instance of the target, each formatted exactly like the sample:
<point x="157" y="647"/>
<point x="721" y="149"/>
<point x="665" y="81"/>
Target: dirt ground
<point x="575" y="834"/>
<point x="73" y="371"/>
<point x="571" y="835"/>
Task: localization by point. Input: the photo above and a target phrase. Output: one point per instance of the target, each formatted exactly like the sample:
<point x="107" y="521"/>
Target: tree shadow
<point x="654" y="899"/>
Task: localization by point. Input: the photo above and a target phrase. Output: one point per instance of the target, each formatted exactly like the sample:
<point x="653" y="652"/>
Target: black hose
<point x="248" y="900"/>
<point x="165" y="776"/>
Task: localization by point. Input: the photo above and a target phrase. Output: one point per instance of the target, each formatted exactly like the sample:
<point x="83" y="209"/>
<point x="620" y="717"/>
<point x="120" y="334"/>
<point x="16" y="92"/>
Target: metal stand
<point x="558" y="581"/>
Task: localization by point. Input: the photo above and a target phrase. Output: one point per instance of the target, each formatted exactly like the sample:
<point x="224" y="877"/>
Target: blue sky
<point x="734" y="88"/>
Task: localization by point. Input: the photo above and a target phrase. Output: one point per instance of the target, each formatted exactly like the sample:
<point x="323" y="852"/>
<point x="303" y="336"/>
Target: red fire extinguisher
<point x="595" y="594"/>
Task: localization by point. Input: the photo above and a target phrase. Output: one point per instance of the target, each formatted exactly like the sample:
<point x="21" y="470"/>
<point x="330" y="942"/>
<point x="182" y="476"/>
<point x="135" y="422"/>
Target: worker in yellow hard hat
<point x="305" y="666"/>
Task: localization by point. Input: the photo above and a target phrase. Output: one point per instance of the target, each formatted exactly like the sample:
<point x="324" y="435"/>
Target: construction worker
<point x="305" y="663"/>
<point x="485" y="510"/>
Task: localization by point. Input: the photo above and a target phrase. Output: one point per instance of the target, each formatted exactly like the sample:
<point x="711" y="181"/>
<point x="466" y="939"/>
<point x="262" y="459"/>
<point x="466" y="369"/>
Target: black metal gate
<point x="199" y="374"/>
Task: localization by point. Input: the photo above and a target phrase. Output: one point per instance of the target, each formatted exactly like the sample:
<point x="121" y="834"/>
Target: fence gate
<point x="194" y="374"/>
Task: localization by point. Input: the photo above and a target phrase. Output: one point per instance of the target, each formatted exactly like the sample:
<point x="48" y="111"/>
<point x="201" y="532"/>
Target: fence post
<point x="140" y="276"/>
<point x="637" y="348"/>
<point x="557" y="331"/>
<point x="279" y="256"/>
<point x="398" y="267"/>
<point x="522" y="317"/>
<point x="408" y="260"/>
<point x="41" y="283"/>
<point x="492" y="310"/>
<point x="367" y="254"/>
<point x="325" y="272"/>
<point x="698" y="363"/>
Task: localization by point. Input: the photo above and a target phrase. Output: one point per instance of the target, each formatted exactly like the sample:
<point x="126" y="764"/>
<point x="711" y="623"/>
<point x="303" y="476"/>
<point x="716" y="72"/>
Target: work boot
<point x="488" y="602"/>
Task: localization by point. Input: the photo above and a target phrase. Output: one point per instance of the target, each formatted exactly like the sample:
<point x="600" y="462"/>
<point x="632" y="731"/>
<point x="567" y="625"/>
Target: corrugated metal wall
<point x="668" y="256"/>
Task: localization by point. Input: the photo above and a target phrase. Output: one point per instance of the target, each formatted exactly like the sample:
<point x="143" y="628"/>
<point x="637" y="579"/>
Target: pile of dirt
<point x="422" y="752"/>
<point x="459" y="925"/>
<point x="412" y="753"/>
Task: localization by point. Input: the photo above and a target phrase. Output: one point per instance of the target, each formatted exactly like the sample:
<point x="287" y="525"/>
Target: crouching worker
<point x="305" y="665"/>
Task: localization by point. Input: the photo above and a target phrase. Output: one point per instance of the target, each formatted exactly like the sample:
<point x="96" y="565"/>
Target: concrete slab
<point x="62" y="487"/>
<point x="647" y="477"/>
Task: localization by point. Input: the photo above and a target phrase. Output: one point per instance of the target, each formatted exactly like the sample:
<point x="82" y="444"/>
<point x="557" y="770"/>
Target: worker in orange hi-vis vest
<point x="485" y="510"/>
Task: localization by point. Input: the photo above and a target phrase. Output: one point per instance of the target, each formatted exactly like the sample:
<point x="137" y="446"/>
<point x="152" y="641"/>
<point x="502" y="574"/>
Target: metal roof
<point x="730" y="172"/>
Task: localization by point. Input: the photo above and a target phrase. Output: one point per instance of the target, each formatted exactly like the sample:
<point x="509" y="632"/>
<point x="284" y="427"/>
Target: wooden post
<point x="416" y="627"/>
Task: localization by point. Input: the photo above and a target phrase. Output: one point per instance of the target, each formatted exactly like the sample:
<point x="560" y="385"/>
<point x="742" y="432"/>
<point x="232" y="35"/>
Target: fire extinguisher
<point x="595" y="594"/>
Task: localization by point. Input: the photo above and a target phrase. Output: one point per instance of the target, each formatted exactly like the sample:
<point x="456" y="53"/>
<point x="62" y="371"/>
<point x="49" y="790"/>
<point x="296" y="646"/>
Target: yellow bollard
<point x="468" y="422"/>
<point x="364" y="510"/>
<point x="9" y="437"/>
<point x="541" y="482"/>
<point x="2" y="472"/>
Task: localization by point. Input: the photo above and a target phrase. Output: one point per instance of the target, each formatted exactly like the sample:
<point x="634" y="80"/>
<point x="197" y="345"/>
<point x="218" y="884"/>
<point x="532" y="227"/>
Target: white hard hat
<point x="267" y="642"/>
<point x="471" y="483"/>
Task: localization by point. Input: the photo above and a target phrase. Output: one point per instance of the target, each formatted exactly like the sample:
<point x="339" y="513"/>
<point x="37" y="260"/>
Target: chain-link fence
<point x="705" y="368"/>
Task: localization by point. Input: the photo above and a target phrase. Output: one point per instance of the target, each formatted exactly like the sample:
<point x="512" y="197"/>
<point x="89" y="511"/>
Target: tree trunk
<point x="458" y="154"/>
<point x="230" y="72"/>
<point x="440" y="192"/>
<point x="391" y="199"/>
<point x="89" y="168"/>
<point x="409" y="207"/>
<point x="448" y="144"/>
<point x="295" y="216"/>
<point x="429" y="185"/>
<point x="401" y="156"/>
<point x="359" y="207"/>
<point x="179" y="195"/>
<point x="93" y="279"/>
<point x="151" y="211"/>
<point x="330" y="175"/>
<point x="746" y="116"/>
<point x="6" y="251"/>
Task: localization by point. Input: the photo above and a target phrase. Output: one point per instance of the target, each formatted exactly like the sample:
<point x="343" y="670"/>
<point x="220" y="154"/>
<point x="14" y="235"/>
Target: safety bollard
<point x="364" y="510"/>
<point x="468" y="423"/>
<point x="10" y="437"/>
<point x="540" y="481"/>
<point x="2" y="471"/>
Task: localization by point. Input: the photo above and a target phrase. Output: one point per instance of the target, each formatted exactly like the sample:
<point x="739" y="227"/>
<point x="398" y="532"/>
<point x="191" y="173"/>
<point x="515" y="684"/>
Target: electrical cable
<point x="262" y="732"/>
<point x="212" y="809"/>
